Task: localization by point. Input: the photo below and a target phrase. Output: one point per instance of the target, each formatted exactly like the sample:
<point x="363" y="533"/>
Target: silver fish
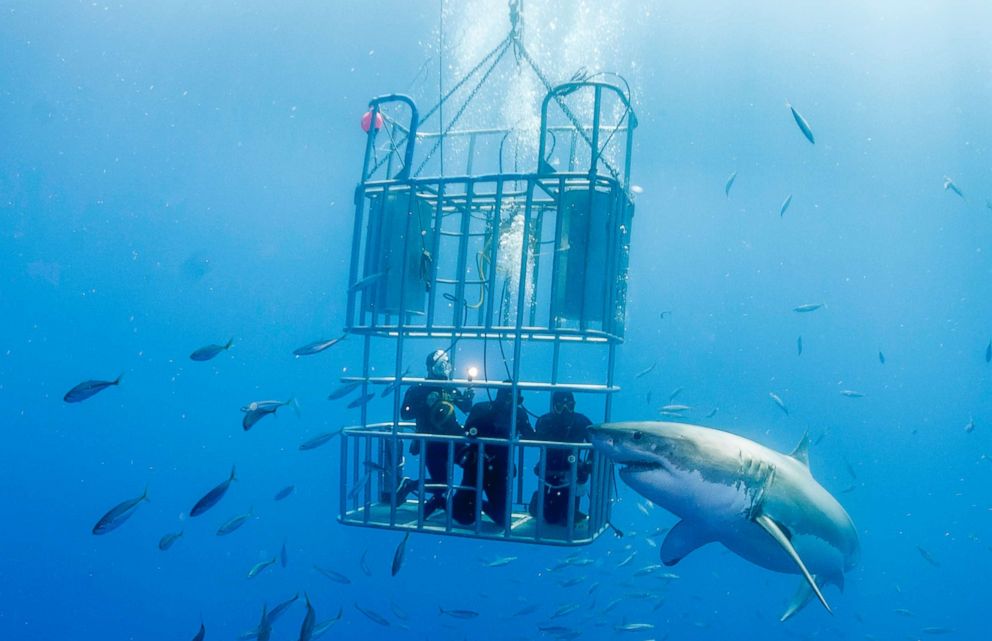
<point x="500" y="562"/>
<point x="309" y="621"/>
<point x="799" y="346"/>
<point x="850" y="393"/>
<point x="86" y="389"/>
<point x="647" y="371"/>
<point x="259" y="567"/>
<point x="264" y="625"/>
<point x="373" y="616"/>
<point x="778" y="401"/>
<point x="321" y="628"/>
<point x="950" y="186"/>
<point x="365" y="282"/>
<point x="801" y="122"/>
<point x="809" y="307"/>
<point x="729" y="184"/>
<point x="317" y="347"/>
<point x="361" y="400"/>
<point x="674" y="394"/>
<point x="257" y="410"/>
<point x="929" y="558"/>
<point x="633" y="627"/>
<point x="712" y="412"/>
<point x="881" y="358"/>
<point x="317" y="441"/>
<point x="211" y="498"/>
<point x="201" y="633"/>
<point x="168" y="540"/>
<point x="785" y="206"/>
<point x="284" y="492"/>
<point x="343" y="390"/>
<point x="459" y="614"/>
<point x="970" y="427"/>
<point x="118" y="514"/>
<point x="337" y="577"/>
<point x="361" y="485"/>
<point x="235" y="523"/>
<point x="363" y="564"/>
<point x="209" y="351"/>
<point x="399" y="554"/>
<point x="675" y="408"/>
<point x="566" y="609"/>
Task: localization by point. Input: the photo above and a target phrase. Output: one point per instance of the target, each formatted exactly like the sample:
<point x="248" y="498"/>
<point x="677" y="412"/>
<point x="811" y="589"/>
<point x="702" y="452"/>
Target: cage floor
<point x="523" y="529"/>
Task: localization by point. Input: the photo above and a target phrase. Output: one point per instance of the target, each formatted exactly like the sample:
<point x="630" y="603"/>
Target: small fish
<point x="612" y="604"/>
<point x="627" y="560"/>
<point x="259" y="567"/>
<point x="389" y="389"/>
<point x="785" y="206"/>
<point x="397" y="611"/>
<point x="343" y="390"/>
<point x="257" y="410"/>
<point x="850" y="469"/>
<point x="365" y="282"/>
<point x="637" y="189"/>
<point x="929" y="558"/>
<point x="801" y="122"/>
<point x="364" y="565"/>
<point x="881" y="358"/>
<point x="373" y="616"/>
<point x="235" y="523"/>
<point x="634" y="627"/>
<point x="87" y="389"/>
<point x="575" y="580"/>
<point x="949" y="185"/>
<point x="674" y="394"/>
<point x="361" y="400"/>
<point x="937" y="629"/>
<point x="670" y="576"/>
<point x="264" y="625"/>
<point x="309" y="621"/>
<point x="970" y="427"/>
<point x="778" y="401"/>
<point x="399" y="554"/>
<point x="361" y="485"/>
<point x="527" y="609"/>
<point x="675" y="408"/>
<point x="647" y="371"/>
<point x="317" y="347"/>
<point x="799" y="346"/>
<point x="284" y="493"/>
<point x="903" y="612"/>
<point x="809" y="307"/>
<point x="850" y="393"/>
<point x="500" y="562"/>
<point x="201" y="634"/>
<point x="988" y="352"/>
<point x="337" y="577"/>
<point x="209" y="351"/>
<point x="648" y="569"/>
<point x="712" y="412"/>
<point x="729" y="184"/>
<point x="555" y="630"/>
<point x="281" y="608"/>
<point x="664" y="313"/>
<point x="283" y="555"/>
<point x="459" y="614"/>
<point x="118" y="514"/>
<point x="321" y="628"/>
<point x="168" y="540"/>
<point x="566" y="609"/>
<point x="211" y="498"/>
<point x="317" y="441"/>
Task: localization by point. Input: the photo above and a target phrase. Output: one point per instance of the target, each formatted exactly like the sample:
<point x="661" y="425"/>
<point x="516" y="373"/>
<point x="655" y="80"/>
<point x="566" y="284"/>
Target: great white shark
<point x="762" y="505"/>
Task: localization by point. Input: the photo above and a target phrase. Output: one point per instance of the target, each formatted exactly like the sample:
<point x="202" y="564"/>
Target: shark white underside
<point x="762" y="505"/>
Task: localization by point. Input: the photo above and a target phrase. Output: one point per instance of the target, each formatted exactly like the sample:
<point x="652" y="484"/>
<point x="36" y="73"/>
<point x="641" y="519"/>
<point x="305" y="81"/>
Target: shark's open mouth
<point x="640" y="466"/>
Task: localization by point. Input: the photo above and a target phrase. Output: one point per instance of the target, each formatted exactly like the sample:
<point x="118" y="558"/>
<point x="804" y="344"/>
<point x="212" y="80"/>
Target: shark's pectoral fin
<point x="776" y="533"/>
<point x="800" y="599"/>
<point x="681" y="540"/>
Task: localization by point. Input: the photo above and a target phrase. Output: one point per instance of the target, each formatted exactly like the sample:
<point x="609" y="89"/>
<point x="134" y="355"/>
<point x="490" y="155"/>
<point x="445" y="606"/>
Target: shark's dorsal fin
<point x="776" y="533"/>
<point x="681" y="540"/>
<point x="801" y="453"/>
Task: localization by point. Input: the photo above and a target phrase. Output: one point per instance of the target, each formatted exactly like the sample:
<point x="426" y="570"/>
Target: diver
<point x="490" y="419"/>
<point x="564" y="425"/>
<point x="433" y="408"/>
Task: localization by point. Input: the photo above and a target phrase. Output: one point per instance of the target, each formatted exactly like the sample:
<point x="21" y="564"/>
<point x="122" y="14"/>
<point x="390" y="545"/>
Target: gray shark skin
<point x="763" y="505"/>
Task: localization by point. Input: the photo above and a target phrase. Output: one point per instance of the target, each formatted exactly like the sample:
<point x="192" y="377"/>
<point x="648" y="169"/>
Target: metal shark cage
<point x="522" y="272"/>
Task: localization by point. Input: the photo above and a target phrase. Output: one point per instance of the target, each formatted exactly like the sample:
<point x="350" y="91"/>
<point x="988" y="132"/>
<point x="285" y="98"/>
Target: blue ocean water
<point x="178" y="174"/>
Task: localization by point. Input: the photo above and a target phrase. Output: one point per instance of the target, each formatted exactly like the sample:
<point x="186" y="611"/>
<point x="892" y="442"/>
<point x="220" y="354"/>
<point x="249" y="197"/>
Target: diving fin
<point x="681" y="540"/>
<point x="776" y="533"/>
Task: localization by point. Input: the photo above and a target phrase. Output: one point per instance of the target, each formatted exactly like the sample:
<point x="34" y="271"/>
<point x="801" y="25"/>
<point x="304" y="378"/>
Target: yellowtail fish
<point x="317" y="347"/>
<point x="209" y="351"/>
<point x="86" y="389"/>
<point x="729" y="184"/>
<point x="118" y="514"/>
<point x="778" y="401"/>
<point x="785" y="206"/>
<point x="260" y="566"/>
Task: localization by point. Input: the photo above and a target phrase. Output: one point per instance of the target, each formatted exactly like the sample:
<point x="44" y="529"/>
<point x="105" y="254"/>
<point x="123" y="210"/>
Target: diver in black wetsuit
<point x="564" y="425"/>
<point x="489" y="419"/>
<point x="433" y="408"/>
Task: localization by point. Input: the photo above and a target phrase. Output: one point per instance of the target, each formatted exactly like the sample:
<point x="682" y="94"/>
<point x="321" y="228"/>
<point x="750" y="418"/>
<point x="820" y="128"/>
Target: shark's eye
<point x="636" y="436"/>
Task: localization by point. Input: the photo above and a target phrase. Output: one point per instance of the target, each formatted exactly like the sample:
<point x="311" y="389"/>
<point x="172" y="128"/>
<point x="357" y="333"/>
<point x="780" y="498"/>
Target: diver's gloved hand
<point x="467" y="394"/>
